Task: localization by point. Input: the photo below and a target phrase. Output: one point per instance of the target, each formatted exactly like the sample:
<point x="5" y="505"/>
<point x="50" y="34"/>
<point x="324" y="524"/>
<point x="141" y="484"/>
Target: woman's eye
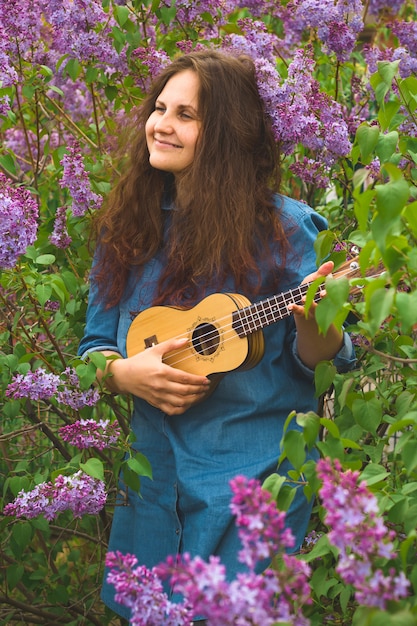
<point x="185" y="116"/>
<point x="159" y="108"/>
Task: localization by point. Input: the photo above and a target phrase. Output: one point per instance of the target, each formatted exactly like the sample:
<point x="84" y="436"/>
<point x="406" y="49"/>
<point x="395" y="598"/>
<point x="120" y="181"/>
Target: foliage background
<point x="73" y="71"/>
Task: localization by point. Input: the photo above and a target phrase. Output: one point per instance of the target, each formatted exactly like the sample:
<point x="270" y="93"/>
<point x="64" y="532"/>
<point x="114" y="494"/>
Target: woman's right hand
<point x="145" y="375"/>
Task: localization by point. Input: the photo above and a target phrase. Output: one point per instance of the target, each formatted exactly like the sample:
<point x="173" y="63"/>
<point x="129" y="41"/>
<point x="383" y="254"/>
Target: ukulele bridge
<point x="150" y="341"/>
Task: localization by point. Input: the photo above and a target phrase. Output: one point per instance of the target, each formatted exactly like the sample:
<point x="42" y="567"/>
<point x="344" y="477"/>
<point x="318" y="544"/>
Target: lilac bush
<point x="338" y="80"/>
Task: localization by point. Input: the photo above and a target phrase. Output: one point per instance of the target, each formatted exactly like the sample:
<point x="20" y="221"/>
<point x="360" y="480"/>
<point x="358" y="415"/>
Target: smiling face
<point x="172" y="129"/>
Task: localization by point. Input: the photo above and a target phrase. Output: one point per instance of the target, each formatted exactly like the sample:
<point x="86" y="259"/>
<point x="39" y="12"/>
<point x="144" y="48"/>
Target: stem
<point x="72" y="124"/>
<point x="45" y="325"/>
<point x="93" y="96"/>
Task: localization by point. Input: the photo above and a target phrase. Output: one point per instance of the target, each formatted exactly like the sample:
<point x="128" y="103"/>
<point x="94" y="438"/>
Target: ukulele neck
<point x="260" y="314"/>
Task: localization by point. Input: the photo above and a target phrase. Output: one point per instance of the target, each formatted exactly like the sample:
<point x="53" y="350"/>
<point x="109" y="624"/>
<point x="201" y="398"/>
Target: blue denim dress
<point x="236" y="430"/>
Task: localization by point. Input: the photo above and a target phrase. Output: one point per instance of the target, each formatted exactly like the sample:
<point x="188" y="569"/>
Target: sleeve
<point x="344" y="361"/>
<point x="101" y="325"/>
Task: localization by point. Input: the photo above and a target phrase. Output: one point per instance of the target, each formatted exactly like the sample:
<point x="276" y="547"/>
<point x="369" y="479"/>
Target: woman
<point x="196" y="212"/>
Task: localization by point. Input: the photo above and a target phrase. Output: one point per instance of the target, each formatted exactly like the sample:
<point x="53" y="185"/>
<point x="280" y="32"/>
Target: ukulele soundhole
<point x="205" y="339"/>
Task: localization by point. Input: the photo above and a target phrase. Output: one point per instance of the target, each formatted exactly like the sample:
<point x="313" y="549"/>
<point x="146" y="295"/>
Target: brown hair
<point x="225" y="217"/>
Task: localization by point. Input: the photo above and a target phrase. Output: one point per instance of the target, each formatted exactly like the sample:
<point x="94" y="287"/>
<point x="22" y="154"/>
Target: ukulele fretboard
<point x="260" y="314"/>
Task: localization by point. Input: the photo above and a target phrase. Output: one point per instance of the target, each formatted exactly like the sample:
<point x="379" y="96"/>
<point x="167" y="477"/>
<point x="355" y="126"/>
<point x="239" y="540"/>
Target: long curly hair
<point x="225" y="217"/>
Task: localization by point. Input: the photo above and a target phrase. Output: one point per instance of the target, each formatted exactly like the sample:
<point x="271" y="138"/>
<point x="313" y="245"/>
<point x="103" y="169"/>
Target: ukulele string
<point x="228" y="327"/>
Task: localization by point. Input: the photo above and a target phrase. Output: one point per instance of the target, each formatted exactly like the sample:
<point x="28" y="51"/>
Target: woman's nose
<point x="163" y="123"/>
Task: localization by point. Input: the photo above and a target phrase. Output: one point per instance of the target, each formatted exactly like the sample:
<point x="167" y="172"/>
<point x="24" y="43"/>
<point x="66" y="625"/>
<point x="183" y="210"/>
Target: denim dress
<point x="235" y="431"/>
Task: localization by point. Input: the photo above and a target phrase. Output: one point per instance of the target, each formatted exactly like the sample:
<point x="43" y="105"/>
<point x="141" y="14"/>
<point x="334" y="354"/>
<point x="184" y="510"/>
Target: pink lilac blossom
<point x="75" y="178"/>
<point x="81" y="494"/>
<point x="87" y="433"/>
<point x="18" y="222"/>
<point x="360" y="535"/>
<point x="276" y="595"/>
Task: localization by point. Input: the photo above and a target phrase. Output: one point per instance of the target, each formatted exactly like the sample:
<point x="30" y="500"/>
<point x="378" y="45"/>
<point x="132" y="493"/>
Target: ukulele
<point x="224" y="329"/>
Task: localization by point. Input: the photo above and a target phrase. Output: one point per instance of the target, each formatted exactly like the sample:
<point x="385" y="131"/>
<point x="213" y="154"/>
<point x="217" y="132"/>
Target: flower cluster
<point x="360" y="535"/>
<point x="71" y="395"/>
<point x="276" y="595"/>
<point x="87" y="433"/>
<point x="141" y="590"/>
<point x="338" y="23"/>
<point x="75" y="178"/>
<point x="37" y="385"/>
<point x="78" y="493"/>
<point x="42" y="385"/>
<point x="261" y="525"/>
<point x="18" y="222"/>
<point x="60" y="237"/>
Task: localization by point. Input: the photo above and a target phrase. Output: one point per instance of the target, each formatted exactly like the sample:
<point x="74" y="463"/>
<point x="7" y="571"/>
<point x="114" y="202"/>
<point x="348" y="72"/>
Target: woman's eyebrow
<point x="180" y="107"/>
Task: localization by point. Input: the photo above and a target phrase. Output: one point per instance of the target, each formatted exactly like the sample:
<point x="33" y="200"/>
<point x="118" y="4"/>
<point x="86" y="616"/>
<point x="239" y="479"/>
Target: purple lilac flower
<point x="22" y="23"/>
<point x="141" y="590"/>
<point x="78" y="493"/>
<point x="153" y="59"/>
<point x="392" y="6"/>
<point x="18" y="222"/>
<point x="87" y="433"/>
<point x="8" y="75"/>
<point x="60" y="237"/>
<point x="360" y="535"/>
<point x="72" y="395"/>
<point x="374" y="168"/>
<point x="261" y="525"/>
<point x="311" y="172"/>
<point x="37" y="385"/>
<point x="82" y="30"/>
<point x="75" y="178"/>
<point x="299" y="111"/>
<point x="42" y="385"/>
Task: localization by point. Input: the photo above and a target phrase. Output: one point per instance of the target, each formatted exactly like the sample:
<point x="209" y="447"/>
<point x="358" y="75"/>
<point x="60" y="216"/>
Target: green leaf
<point x="45" y="259"/>
<point x="324" y="376"/>
<point x="386" y="146"/>
<point x="410" y="215"/>
<point x="14" y="574"/>
<point x="367" y="413"/>
<point x="294" y="448"/>
<point x="94" y="468"/>
<point x="273" y="484"/>
<point x="367" y="138"/>
<point x="406" y="304"/>
<point x="140" y="465"/>
<point x="121" y="13"/>
<point x="22" y="533"/>
<point x="43" y="293"/>
<point x="8" y="163"/>
<point x="387" y="70"/>
<point x="409" y="456"/>
<point x="392" y="197"/>
<point x="310" y="423"/>
<point x="374" y="473"/>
